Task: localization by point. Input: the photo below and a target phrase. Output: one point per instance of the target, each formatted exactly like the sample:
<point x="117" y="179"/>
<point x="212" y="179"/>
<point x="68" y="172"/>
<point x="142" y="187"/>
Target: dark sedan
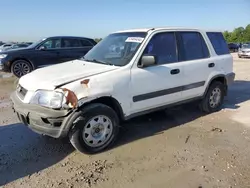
<point x="233" y="47"/>
<point x="48" y="51"/>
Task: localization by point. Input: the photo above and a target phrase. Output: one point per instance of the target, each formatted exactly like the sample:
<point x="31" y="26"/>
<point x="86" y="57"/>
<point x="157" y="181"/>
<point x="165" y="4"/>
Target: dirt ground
<point x="177" y="148"/>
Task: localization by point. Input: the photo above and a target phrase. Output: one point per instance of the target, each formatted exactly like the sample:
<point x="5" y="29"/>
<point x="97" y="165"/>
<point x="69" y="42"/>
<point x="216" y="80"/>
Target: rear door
<point x="196" y="62"/>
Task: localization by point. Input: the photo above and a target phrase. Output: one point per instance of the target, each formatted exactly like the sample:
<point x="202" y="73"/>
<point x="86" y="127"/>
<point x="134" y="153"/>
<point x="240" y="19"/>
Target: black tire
<point x="20" y="68"/>
<point x="239" y="56"/>
<point x="206" y="103"/>
<point x="80" y="121"/>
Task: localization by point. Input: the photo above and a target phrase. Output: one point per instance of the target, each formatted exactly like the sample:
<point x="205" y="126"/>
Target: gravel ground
<point x="179" y="147"/>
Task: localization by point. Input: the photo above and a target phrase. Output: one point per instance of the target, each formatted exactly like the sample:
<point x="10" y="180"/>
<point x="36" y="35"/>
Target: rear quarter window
<point x="218" y="42"/>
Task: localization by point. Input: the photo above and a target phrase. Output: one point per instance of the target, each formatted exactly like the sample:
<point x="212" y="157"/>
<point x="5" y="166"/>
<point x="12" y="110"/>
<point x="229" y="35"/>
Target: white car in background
<point x="244" y="51"/>
<point x="4" y="46"/>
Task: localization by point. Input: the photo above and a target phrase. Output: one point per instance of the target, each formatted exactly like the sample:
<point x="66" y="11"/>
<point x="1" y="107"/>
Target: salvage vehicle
<point x="47" y="51"/>
<point x="87" y="99"/>
<point x="244" y="51"/>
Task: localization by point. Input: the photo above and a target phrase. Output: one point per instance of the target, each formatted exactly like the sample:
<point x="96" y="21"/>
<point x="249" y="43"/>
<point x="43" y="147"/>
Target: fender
<point x="214" y="78"/>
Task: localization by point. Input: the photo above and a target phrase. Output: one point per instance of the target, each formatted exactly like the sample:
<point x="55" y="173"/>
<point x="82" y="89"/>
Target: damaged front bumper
<point x="54" y="123"/>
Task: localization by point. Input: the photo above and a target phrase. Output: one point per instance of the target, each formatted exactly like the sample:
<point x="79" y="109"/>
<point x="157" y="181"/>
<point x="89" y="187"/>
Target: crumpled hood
<point x="51" y="76"/>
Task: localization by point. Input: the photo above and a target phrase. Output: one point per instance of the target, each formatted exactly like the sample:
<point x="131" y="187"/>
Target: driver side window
<point x="163" y="47"/>
<point x="52" y="44"/>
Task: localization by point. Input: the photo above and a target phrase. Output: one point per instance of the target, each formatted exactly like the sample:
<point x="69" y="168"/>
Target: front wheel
<point x="214" y="97"/>
<point x="95" y="128"/>
<point x="20" y="68"/>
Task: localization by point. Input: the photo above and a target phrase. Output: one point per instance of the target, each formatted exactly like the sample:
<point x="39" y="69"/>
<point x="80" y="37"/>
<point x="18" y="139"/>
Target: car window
<point x="52" y="44"/>
<point x="193" y="46"/>
<point x="163" y="47"/>
<point x="86" y="43"/>
<point x="70" y="43"/>
<point x="116" y="49"/>
<point x="218" y="42"/>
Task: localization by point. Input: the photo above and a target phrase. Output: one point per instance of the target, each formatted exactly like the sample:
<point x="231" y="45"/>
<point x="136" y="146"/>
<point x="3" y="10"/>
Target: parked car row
<point x="86" y="99"/>
<point x="9" y="46"/>
<point x="47" y="51"/>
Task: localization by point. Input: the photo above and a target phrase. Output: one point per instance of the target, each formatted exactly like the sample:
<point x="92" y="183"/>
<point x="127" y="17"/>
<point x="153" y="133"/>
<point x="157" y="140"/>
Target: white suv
<point x="88" y="98"/>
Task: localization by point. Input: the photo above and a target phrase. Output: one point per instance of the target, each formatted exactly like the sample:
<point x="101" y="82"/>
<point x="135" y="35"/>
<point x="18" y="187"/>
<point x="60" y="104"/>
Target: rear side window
<point x="85" y="43"/>
<point x="193" y="46"/>
<point x="218" y="42"/>
<point x="70" y="43"/>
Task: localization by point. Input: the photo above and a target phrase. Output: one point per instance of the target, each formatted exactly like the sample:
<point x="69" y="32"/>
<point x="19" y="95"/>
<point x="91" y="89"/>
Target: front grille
<point x="21" y="91"/>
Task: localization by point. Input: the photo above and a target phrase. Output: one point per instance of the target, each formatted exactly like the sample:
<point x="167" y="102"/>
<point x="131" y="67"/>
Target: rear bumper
<point x="230" y="78"/>
<point x="40" y="119"/>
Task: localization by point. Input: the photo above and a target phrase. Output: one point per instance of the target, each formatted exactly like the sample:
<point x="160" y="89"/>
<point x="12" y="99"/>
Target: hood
<point x="10" y="50"/>
<point x="56" y="75"/>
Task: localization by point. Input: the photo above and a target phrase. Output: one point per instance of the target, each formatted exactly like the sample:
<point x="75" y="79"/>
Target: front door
<point x="48" y="53"/>
<point x="160" y="84"/>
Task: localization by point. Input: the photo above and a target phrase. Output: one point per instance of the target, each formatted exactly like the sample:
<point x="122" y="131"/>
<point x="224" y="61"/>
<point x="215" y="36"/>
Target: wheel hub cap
<point x="215" y="98"/>
<point x="97" y="131"/>
<point x="21" y="68"/>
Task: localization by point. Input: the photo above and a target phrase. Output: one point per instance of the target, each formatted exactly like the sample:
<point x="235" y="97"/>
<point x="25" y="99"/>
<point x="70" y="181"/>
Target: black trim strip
<point x="167" y="91"/>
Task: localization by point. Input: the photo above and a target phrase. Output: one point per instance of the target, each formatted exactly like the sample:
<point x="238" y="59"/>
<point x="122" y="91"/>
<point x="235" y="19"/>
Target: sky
<point x="30" y="20"/>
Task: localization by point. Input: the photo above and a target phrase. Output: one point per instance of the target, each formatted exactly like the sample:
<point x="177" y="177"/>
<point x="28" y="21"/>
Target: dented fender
<point x="86" y="90"/>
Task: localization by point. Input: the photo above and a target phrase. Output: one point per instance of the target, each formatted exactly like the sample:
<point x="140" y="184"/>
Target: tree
<point x="239" y="34"/>
<point x="247" y="33"/>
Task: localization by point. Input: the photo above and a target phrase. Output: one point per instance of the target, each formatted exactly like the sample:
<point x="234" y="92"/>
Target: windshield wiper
<point x="97" y="61"/>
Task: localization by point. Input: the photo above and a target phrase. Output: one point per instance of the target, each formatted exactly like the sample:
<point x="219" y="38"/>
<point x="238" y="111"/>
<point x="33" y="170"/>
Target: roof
<point x="68" y="37"/>
<point x="163" y="28"/>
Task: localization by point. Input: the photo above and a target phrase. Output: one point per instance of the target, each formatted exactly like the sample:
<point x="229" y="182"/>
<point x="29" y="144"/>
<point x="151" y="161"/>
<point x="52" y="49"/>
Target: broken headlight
<point x="51" y="99"/>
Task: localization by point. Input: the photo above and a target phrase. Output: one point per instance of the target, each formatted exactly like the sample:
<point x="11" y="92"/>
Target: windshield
<point x="116" y="49"/>
<point x="33" y="45"/>
<point x="246" y="46"/>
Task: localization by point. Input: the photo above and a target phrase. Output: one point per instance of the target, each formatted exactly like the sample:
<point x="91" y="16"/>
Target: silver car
<point x="244" y="51"/>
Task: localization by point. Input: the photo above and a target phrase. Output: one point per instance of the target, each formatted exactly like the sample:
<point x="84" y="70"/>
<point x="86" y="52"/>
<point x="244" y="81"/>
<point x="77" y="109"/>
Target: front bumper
<point x="244" y="54"/>
<point x="42" y="120"/>
<point x="4" y="65"/>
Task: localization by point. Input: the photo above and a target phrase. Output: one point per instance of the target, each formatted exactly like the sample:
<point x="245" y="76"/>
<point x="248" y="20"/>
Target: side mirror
<point x="42" y="48"/>
<point x="147" y="60"/>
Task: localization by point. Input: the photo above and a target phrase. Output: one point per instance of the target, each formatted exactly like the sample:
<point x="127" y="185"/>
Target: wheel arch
<point x="21" y="58"/>
<point x="220" y="78"/>
<point x="109" y="101"/>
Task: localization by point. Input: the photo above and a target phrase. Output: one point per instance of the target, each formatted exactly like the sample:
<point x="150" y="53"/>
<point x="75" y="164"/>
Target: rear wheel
<point x="95" y="128"/>
<point x="20" y="68"/>
<point x="214" y="97"/>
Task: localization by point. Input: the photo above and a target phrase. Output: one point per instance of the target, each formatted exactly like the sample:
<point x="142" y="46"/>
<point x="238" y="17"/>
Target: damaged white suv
<point x="127" y="74"/>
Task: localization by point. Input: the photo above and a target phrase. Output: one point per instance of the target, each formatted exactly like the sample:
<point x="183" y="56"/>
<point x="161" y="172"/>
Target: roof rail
<point x="151" y="29"/>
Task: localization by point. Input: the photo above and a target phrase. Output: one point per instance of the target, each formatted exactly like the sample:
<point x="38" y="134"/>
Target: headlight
<point x="3" y="56"/>
<point x="51" y="99"/>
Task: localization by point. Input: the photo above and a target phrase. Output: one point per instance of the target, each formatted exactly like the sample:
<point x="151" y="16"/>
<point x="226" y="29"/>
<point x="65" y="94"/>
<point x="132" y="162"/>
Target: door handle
<point x="175" y="71"/>
<point x="210" y="65"/>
